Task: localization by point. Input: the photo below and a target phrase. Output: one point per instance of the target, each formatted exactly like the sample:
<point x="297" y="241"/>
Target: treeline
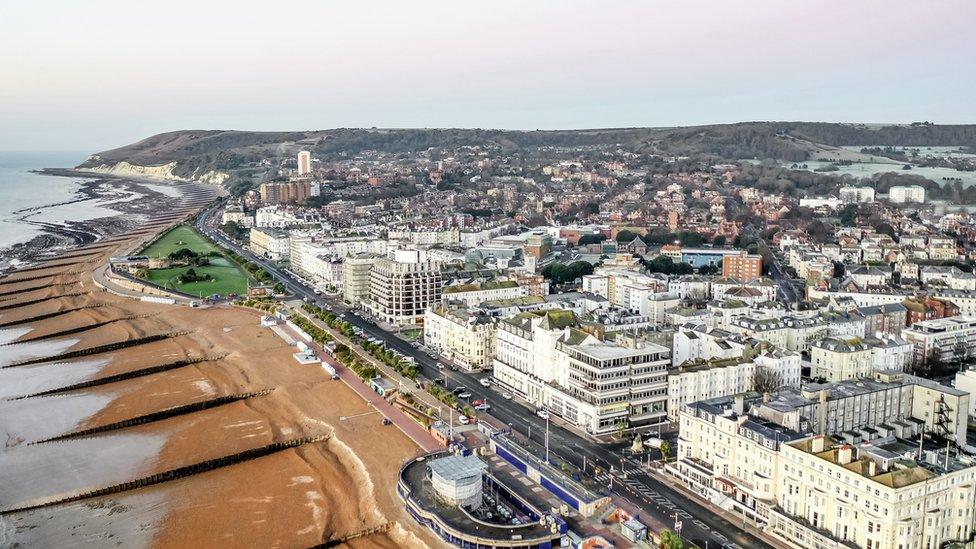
<point x="252" y="268"/>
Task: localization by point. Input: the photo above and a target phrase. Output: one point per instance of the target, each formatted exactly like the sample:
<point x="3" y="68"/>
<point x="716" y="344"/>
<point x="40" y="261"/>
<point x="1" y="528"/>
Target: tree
<point x="665" y="450"/>
<point x="590" y="239"/>
<point x="885" y="228"/>
<point x="279" y="288"/>
<point x="670" y="540"/>
<point x="708" y="269"/>
<point x="848" y="215"/>
<point x="561" y="273"/>
<point x="626" y="236"/>
<point x="719" y="240"/>
<point x="766" y="380"/>
<point x="620" y="426"/>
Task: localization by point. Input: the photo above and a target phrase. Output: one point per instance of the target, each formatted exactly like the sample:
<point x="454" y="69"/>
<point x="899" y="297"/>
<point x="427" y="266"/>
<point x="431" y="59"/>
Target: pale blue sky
<point x="102" y="73"/>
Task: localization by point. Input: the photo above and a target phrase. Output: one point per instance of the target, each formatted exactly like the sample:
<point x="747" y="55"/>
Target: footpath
<point x="404" y="422"/>
<point x="715" y="509"/>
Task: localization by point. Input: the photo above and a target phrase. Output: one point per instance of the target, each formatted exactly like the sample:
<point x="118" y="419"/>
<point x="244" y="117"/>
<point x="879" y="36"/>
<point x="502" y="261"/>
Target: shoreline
<point x="129" y="200"/>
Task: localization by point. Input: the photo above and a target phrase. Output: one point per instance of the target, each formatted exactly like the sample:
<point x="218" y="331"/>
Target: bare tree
<point x="766" y="380"/>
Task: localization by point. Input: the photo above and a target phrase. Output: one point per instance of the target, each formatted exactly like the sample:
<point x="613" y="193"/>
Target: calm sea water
<point x="20" y="189"/>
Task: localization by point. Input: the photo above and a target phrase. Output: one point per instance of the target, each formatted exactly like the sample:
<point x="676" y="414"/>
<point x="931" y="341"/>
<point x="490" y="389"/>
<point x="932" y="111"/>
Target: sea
<point x="26" y="196"/>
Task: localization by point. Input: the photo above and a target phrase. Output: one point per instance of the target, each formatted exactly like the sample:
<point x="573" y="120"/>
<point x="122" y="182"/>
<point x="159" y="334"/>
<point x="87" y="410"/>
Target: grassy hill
<point x="197" y="151"/>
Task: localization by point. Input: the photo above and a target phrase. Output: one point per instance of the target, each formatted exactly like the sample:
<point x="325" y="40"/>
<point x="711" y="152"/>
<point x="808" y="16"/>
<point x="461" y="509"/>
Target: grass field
<point x="183" y="236"/>
<point x="228" y="277"/>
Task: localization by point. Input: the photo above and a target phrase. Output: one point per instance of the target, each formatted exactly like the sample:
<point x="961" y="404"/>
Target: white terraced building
<point x="464" y="335"/>
<point x="593" y="384"/>
<point x="836" y="465"/>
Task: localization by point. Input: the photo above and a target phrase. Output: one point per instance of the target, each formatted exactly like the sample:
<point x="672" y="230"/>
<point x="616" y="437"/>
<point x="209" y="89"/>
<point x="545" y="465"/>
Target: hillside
<point x="216" y="154"/>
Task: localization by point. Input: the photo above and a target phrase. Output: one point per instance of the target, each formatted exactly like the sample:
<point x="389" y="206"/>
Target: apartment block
<point x="596" y="385"/>
<point x="744" y="267"/>
<point x="402" y="287"/>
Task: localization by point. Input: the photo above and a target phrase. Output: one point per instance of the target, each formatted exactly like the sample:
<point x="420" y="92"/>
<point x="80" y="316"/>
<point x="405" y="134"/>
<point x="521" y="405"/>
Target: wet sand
<point x="302" y="496"/>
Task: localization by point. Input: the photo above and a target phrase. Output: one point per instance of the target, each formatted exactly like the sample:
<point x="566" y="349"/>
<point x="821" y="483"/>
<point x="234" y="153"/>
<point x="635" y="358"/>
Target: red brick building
<point x="743" y="267"/>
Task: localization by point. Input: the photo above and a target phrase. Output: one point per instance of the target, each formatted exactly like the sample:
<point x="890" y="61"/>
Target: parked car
<point x="507" y="396"/>
<point x="463" y="420"/>
<point x="544" y="414"/>
<point x="485" y="382"/>
<point x="465" y="395"/>
<point x="484" y="407"/>
<point x="459" y="389"/>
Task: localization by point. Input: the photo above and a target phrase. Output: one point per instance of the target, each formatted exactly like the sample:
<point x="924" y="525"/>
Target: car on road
<point x="507" y="396"/>
<point x="439" y="381"/>
<point x="465" y="395"/>
<point x="485" y="382"/>
<point x="544" y="414"/>
<point x="484" y="407"/>
<point x="459" y="389"/>
<point x="440" y="366"/>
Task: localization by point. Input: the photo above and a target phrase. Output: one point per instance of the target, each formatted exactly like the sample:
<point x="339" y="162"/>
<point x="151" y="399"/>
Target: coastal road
<point x="700" y="524"/>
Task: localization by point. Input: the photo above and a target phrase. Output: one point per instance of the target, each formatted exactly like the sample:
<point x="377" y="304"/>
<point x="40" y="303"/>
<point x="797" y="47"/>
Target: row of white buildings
<point x="856" y="463"/>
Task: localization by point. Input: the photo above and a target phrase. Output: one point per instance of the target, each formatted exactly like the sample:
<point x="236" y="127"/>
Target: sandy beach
<point x="341" y="484"/>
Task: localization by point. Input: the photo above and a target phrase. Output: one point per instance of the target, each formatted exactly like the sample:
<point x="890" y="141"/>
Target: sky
<point x="98" y="74"/>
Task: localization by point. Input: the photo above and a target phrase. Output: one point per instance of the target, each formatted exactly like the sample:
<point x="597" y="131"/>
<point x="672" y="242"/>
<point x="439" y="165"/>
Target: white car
<point x="484" y="382"/>
<point x="507" y="396"/>
<point x="544" y="414"/>
<point x="463" y="420"/>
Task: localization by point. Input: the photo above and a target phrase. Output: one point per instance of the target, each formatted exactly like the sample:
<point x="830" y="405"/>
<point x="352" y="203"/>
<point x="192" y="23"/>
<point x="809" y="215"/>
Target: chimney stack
<point x="844" y="454"/>
<point x="817" y="444"/>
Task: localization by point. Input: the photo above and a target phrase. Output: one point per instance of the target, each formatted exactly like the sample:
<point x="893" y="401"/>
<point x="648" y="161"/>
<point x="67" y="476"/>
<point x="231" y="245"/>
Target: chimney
<point x="844" y="454"/>
<point x="739" y="404"/>
<point x="766" y="397"/>
<point x="872" y="468"/>
<point x="817" y="444"/>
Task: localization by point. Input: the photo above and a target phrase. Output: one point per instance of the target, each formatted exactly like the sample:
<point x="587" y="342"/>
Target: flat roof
<point x="457" y="467"/>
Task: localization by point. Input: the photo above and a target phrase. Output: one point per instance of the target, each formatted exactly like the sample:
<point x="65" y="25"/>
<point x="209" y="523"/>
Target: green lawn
<point x="228" y="277"/>
<point x="183" y="236"/>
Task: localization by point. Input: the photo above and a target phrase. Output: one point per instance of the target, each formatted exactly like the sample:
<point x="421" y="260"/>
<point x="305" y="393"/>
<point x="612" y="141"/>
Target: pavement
<point x="405" y="423"/>
<point x="705" y="526"/>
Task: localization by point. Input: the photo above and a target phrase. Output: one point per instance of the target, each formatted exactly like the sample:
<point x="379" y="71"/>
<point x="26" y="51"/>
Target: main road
<point x="650" y="495"/>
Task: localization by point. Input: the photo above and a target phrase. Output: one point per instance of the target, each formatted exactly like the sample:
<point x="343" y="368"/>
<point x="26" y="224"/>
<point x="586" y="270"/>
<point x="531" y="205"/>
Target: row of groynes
<point x="108" y="347"/>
